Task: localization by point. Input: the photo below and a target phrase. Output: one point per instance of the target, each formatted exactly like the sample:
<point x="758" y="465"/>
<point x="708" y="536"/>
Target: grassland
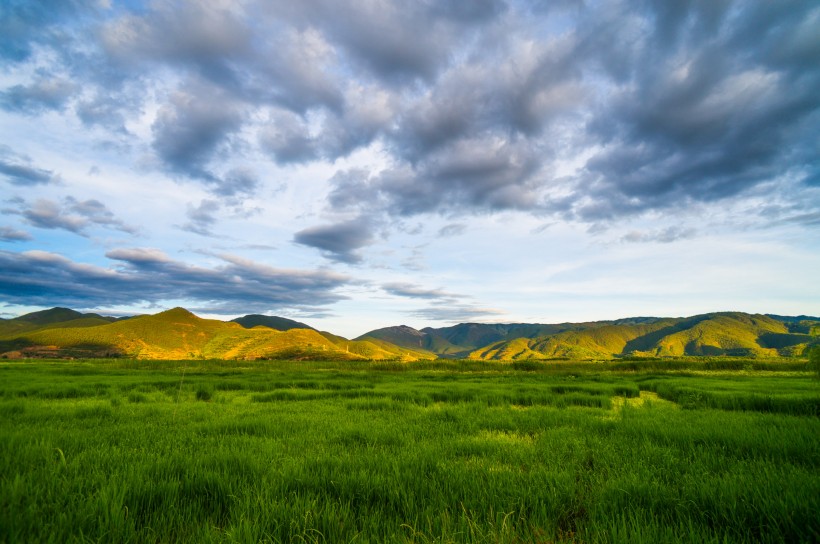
<point x="219" y="451"/>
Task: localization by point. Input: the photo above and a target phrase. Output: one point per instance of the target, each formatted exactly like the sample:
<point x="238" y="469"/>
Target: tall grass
<point x="328" y="452"/>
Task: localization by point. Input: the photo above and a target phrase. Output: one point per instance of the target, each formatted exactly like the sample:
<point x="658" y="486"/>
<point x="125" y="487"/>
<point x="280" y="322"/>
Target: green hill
<point x="270" y="321"/>
<point x="55" y="317"/>
<point x="725" y="333"/>
<point x="179" y="334"/>
<point x="729" y="333"/>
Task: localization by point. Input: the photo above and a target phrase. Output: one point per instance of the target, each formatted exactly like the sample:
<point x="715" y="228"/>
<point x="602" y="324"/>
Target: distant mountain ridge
<point x="179" y="334"/>
<point x="720" y="333"/>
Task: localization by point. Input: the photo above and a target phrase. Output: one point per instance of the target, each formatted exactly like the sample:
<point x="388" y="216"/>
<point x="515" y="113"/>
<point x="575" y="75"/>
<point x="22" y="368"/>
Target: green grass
<point x="462" y="451"/>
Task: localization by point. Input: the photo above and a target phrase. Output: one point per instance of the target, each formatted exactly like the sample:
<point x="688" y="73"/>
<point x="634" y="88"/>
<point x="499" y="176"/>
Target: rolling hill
<point x="271" y="322"/>
<point x="724" y="333"/>
<point x="55" y="317"/>
<point x="179" y="334"/>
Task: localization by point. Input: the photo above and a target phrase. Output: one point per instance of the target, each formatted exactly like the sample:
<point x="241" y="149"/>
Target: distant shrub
<point x="137" y="397"/>
<point x="814" y="360"/>
<point x="204" y="393"/>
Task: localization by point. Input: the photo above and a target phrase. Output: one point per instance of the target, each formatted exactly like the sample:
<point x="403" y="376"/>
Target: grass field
<point x="161" y="451"/>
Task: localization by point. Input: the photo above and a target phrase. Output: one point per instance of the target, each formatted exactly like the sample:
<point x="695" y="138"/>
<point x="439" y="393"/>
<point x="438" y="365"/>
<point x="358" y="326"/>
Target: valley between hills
<point x="179" y="334"/>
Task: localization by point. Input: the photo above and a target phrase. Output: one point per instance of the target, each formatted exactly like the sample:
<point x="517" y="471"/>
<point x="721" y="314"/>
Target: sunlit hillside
<point x="179" y="334"/>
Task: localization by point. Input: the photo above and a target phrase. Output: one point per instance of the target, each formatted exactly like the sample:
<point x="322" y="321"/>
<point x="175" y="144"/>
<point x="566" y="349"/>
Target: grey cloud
<point x="415" y="261"/>
<point x="25" y="24"/>
<point x="453" y="229"/>
<point x="97" y="213"/>
<point x="71" y="214"/>
<point x="191" y="127"/>
<point x="665" y="236"/>
<point x="237" y="182"/>
<point x="287" y="138"/>
<point x="366" y="114"/>
<point x="294" y="72"/>
<point x="475" y="104"/>
<point x="47" y="214"/>
<point x="705" y="121"/>
<point x="411" y="290"/>
<point x="201" y="218"/>
<point x="41" y="95"/>
<point x="338" y="242"/>
<point x="202" y="35"/>
<point x="518" y="89"/>
<point x="472" y="176"/>
<point x="351" y="189"/>
<point x="395" y="41"/>
<point x="8" y="234"/>
<point x="260" y="63"/>
<point x="149" y="276"/>
<point x="809" y="219"/>
<point x="105" y="110"/>
<point x="19" y="170"/>
<point x="468" y="12"/>
<point x="457" y="313"/>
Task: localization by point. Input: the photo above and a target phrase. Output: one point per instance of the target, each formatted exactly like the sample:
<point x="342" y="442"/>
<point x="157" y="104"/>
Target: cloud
<point x="106" y="111"/>
<point x="702" y="120"/>
<point x="25" y="25"/>
<point x="41" y="95"/>
<point x="453" y="229"/>
<point x="71" y="214"/>
<point x="202" y="218"/>
<point x="18" y="169"/>
<point x="237" y="182"/>
<point x="411" y="290"/>
<point x="444" y="306"/>
<point x="665" y="236"/>
<point x="458" y="313"/>
<point x="471" y="176"/>
<point x="287" y="138"/>
<point x="8" y="234"/>
<point x="202" y="36"/>
<point x="340" y="241"/>
<point x="392" y="41"/>
<point x="191" y="127"/>
<point x="808" y="219"/>
<point x="142" y="275"/>
<point x="577" y="111"/>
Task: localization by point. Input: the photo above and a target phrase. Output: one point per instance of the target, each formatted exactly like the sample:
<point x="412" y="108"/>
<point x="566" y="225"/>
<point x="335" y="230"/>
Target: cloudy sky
<point x="379" y="162"/>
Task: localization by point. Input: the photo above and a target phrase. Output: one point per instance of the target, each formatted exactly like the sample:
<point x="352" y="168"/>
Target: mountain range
<point x="179" y="334"/>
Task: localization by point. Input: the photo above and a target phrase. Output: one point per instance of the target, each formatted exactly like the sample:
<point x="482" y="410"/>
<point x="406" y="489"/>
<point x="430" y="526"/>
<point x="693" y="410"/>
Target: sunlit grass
<point x="118" y="451"/>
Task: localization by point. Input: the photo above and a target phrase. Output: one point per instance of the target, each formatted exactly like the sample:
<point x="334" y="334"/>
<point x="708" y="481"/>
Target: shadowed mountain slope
<point x="55" y="317"/>
<point x="270" y="321"/>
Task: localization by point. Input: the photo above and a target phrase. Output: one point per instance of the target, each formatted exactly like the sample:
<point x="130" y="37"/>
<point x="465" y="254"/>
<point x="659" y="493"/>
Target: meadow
<point x="458" y="451"/>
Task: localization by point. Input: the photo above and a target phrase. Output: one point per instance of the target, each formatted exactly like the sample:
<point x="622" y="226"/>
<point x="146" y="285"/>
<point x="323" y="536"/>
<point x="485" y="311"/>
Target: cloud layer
<point x="663" y="103"/>
<point x="144" y="275"/>
<point x="347" y="129"/>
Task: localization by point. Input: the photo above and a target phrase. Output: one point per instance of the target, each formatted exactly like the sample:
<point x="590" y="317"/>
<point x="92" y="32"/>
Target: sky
<point x="368" y="163"/>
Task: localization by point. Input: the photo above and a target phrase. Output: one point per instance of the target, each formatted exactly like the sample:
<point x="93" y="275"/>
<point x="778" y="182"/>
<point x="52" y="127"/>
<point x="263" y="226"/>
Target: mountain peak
<point x="271" y="321"/>
<point x="53" y="315"/>
<point x="176" y="313"/>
